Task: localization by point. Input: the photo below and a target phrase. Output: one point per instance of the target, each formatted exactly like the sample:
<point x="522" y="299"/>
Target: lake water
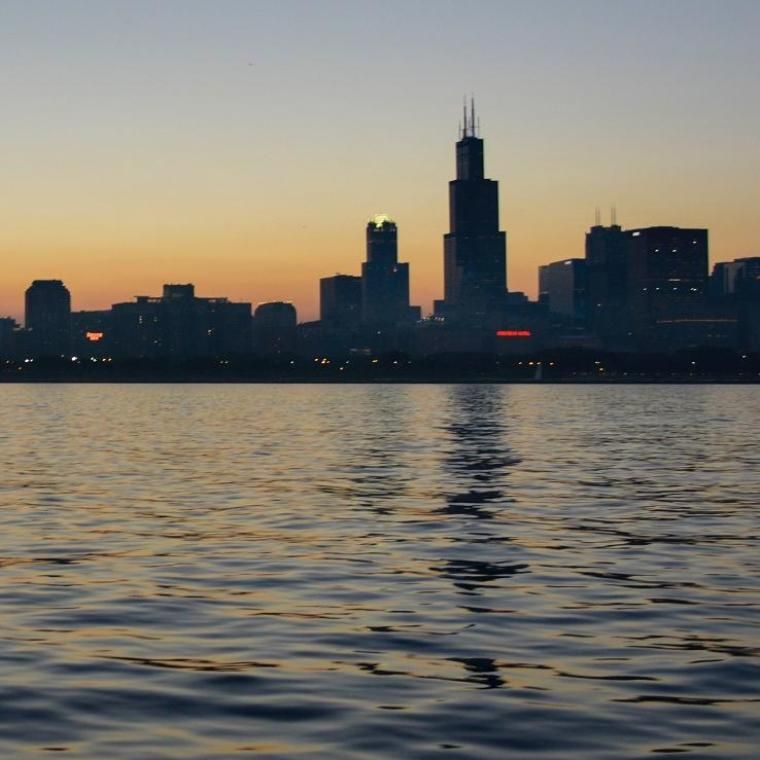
<point x="464" y="571"/>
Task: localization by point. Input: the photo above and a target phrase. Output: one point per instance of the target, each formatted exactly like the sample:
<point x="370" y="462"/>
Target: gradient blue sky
<point x="242" y="145"/>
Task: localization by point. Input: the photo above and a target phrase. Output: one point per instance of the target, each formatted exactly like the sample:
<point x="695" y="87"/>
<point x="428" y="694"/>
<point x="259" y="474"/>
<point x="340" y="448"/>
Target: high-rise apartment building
<point x="179" y="325"/>
<point x="47" y="318"/>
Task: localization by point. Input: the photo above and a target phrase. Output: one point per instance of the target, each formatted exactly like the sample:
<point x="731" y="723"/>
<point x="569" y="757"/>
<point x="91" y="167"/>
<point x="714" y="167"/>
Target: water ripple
<point x="379" y="571"/>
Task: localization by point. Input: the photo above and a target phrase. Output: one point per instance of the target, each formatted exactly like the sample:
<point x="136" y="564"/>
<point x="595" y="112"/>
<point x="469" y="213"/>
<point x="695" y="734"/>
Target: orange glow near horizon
<point x="253" y="179"/>
<point x="112" y="260"/>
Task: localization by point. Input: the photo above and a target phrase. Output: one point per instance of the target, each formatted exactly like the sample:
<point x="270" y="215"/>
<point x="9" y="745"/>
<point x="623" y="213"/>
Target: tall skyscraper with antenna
<point x="475" y="250"/>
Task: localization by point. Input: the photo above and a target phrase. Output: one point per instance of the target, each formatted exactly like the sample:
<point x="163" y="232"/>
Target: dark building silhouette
<point x="735" y="288"/>
<point x="371" y="312"/>
<point x="475" y="259"/>
<point x="607" y="262"/>
<point x="228" y="326"/>
<point x="183" y="323"/>
<point x="340" y="329"/>
<point x="668" y="296"/>
<point x="340" y="301"/>
<point x="138" y="329"/>
<point x="723" y="279"/>
<point x="274" y="328"/>
<point x="385" y="282"/>
<point x="562" y="288"/>
<point x="667" y="284"/>
<point x="738" y="277"/>
<point x="667" y="265"/>
<point x="648" y="289"/>
<point x="9" y="333"/>
<point x="92" y="334"/>
<point x="179" y="325"/>
<point x="47" y="318"/>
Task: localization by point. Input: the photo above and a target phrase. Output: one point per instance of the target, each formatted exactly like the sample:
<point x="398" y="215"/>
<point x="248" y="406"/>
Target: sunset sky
<point x="242" y="145"/>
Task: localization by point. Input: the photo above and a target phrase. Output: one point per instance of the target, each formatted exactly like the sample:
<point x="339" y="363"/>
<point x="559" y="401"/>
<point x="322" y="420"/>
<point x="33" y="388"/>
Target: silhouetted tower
<point x="385" y="282"/>
<point x="340" y="301"/>
<point x="668" y="271"/>
<point x="475" y="250"/>
<point x="608" y="273"/>
<point x="183" y="327"/>
<point x="48" y="318"/>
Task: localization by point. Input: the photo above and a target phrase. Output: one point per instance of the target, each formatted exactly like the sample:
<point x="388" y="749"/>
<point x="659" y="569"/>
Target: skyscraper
<point x="48" y="318"/>
<point x="475" y="250"/>
<point x="385" y="282"/>
<point x="607" y="265"/>
<point x="667" y="272"/>
<point x="562" y="286"/>
<point x="340" y="301"/>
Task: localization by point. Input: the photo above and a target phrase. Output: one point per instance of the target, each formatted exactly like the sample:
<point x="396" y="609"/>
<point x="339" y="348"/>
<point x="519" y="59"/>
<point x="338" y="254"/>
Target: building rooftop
<point x="379" y="220"/>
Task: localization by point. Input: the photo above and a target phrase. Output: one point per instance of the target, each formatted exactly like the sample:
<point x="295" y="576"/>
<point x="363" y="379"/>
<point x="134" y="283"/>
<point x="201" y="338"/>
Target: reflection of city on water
<point x="479" y="457"/>
<point x="483" y="671"/>
<point x="475" y="470"/>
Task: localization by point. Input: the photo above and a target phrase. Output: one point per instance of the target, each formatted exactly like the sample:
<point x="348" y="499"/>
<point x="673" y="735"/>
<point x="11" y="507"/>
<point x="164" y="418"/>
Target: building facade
<point x="9" y="338"/>
<point x="340" y="301"/>
<point x="48" y="319"/>
<point x="667" y="284"/>
<point x="475" y="253"/>
<point x="178" y="326"/>
<point x="275" y="328"/>
<point x="607" y="262"/>
<point x="385" y="281"/>
<point x="562" y="288"/>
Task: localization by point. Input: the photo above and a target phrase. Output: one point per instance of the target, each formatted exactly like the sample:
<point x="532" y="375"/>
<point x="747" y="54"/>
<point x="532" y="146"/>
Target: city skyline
<point x="204" y="173"/>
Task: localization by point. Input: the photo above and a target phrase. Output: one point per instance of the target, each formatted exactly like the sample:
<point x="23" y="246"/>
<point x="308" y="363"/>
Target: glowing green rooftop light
<point x="378" y="220"/>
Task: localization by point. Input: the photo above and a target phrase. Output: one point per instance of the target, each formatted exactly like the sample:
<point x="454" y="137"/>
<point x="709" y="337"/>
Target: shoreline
<point x="453" y="379"/>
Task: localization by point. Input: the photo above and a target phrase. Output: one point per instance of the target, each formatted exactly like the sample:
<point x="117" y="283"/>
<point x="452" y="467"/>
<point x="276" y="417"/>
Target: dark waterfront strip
<point x="709" y="366"/>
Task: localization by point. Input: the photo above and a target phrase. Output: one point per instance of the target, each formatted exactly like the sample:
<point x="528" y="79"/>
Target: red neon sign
<point x="513" y="333"/>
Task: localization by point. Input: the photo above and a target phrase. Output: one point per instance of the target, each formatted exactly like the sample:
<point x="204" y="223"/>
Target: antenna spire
<point x="470" y="124"/>
<point x="598" y="217"/>
<point x="613" y="215"/>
